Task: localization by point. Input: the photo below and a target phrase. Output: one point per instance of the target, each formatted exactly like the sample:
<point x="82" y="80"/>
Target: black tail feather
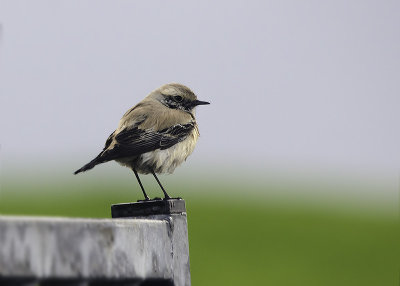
<point x="90" y="165"/>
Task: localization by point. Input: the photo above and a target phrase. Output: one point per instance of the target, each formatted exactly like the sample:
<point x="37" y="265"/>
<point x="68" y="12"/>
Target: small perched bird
<point x="154" y="136"/>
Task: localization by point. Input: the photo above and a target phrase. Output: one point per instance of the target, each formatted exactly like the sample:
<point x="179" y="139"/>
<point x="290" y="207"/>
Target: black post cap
<point x="147" y="208"/>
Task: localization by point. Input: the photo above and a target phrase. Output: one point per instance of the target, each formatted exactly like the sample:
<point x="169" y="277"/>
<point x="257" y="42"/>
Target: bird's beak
<point x="198" y="102"/>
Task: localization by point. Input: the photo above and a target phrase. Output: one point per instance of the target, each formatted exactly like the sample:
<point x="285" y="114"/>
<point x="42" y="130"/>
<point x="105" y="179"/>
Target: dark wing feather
<point x="109" y="140"/>
<point x="175" y="134"/>
<point x="136" y="141"/>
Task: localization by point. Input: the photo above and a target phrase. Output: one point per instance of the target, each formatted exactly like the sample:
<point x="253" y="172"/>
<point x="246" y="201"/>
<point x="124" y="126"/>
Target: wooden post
<point x="148" y="246"/>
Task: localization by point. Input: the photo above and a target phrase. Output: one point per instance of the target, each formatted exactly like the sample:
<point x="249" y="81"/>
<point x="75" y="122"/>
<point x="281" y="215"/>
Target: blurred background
<point x="295" y="178"/>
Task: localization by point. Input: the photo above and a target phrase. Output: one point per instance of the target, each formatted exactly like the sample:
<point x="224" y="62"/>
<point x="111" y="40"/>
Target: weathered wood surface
<point x="89" y="249"/>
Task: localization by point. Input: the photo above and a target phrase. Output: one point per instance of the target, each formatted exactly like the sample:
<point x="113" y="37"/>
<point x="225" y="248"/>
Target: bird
<point x="154" y="136"/>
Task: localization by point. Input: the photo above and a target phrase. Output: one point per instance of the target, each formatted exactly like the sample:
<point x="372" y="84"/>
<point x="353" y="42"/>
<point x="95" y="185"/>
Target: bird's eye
<point x="178" y="98"/>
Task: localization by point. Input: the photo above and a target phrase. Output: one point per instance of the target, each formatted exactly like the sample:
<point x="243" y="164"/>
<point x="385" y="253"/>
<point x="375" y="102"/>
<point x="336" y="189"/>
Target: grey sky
<point x="292" y="83"/>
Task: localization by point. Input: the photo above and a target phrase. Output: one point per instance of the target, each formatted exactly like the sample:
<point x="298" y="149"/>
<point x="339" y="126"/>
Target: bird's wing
<point x="109" y="140"/>
<point x="136" y="141"/>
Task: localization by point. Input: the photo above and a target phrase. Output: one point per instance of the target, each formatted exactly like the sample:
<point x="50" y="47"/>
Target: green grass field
<point x="247" y="242"/>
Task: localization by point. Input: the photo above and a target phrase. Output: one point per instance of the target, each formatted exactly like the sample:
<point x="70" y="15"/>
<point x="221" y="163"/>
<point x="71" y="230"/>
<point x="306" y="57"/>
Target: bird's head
<point x="177" y="96"/>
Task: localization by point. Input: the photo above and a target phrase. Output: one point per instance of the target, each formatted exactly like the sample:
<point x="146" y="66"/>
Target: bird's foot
<point x="145" y="200"/>
<point x="169" y="198"/>
<point x="159" y="199"/>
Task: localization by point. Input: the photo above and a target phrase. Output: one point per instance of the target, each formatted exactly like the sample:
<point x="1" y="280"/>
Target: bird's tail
<point x="90" y="165"/>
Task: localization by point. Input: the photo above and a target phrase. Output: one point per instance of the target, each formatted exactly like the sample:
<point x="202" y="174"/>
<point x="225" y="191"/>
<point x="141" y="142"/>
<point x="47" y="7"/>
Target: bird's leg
<point x="166" y="196"/>
<point x="146" y="197"/>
